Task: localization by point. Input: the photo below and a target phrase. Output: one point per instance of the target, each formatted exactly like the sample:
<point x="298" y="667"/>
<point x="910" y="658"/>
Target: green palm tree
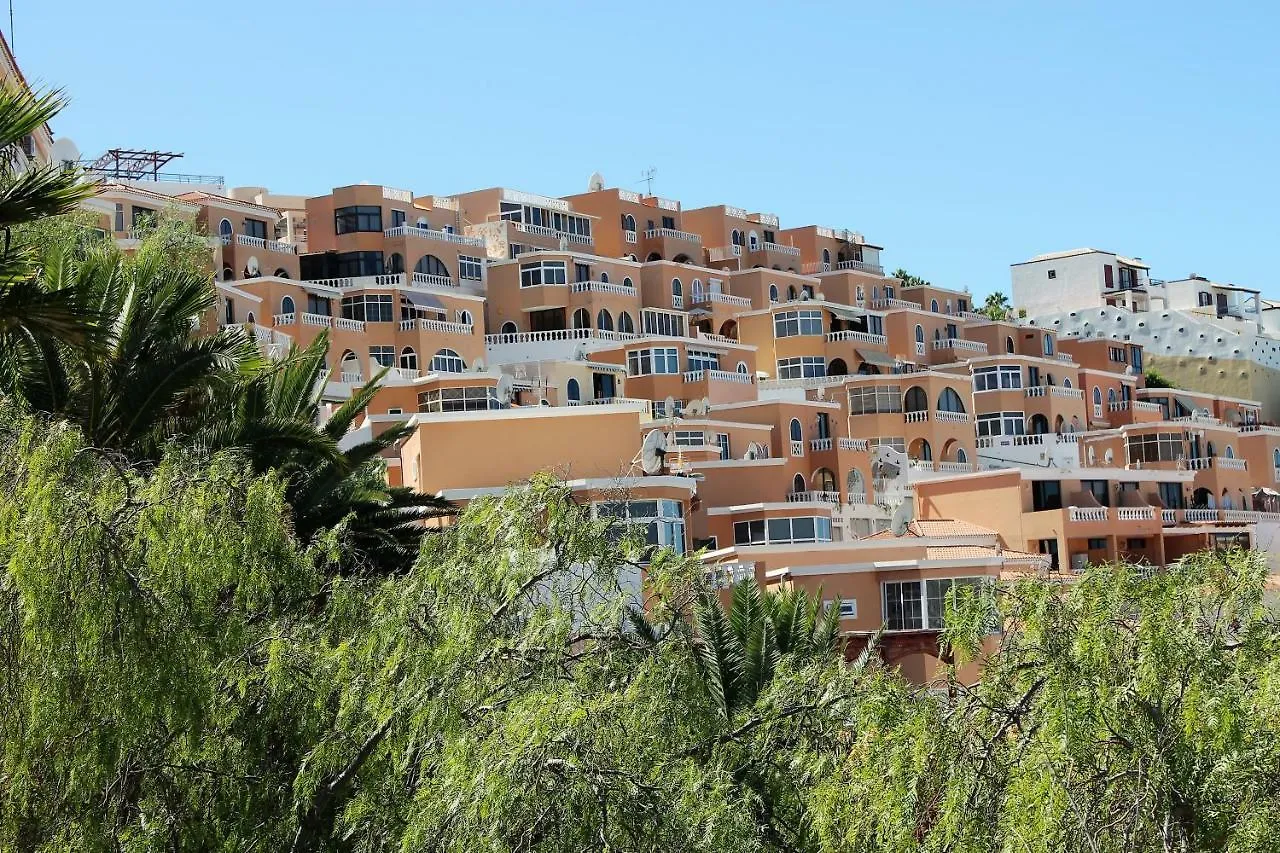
<point x="273" y="416"/>
<point x="33" y="315"/>
<point x="739" y="649"/>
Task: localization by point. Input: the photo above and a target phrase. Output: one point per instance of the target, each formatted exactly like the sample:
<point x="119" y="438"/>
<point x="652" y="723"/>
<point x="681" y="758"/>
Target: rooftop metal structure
<point x="131" y="164"/>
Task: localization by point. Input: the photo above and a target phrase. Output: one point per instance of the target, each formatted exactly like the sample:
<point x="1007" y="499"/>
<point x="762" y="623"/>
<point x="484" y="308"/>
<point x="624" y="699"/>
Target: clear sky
<point x="962" y="136"/>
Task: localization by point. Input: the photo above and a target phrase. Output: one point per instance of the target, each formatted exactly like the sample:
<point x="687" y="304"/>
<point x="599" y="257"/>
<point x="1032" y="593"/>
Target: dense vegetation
<point x="218" y="631"/>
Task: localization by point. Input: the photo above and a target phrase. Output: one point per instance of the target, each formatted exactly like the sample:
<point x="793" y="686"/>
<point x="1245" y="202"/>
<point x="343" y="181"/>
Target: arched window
<point x="448" y="361"/>
<point x="1111" y="395"/>
<point x="625" y="325"/>
<point x="773" y="293"/>
<point x="248" y="318"/>
<point x="581" y="319"/>
<point x="736" y="237"/>
<point x="742" y="368"/>
<point x="287" y="306"/>
<point x="933" y="305"/>
<point x="924" y="451"/>
<point x="1229" y="452"/>
<point x="225" y="228"/>
<point x="509" y="328"/>
<point x="408" y="359"/>
<point x="1066" y="383"/>
<point x="919" y="334"/>
<point x="349" y="367"/>
<point x="961" y="456"/>
<point x="791" y="293"/>
<point x="676" y="288"/>
<point x="572" y="391"/>
<point x="797" y="434"/>
<point x="1275" y="459"/>
<point x="695" y="290"/>
<point x="1048" y="344"/>
<point x="626" y="282"/>
<point x="824" y="480"/>
<point x="1008" y="343"/>
<point x="628" y="222"/>
<point x="797" y="483"/>
<point x="950" y="401"/>
<point x="604" y="320"/>
<point x="653" y="256"/>
<point x="604" y="277"/>
<point x="916" y="400"/>
<point x="431" y="265"/>
<point x="1097" y="401"/>
<point x="228" y="274"/>
<point x="282" y="273"/>
<point x="395" y="264"/>
<point x="826" y="257"/>
<point x="464" y="317"/>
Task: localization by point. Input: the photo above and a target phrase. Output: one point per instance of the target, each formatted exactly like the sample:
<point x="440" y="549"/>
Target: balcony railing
<point x="960" y="344"/>
<point x="260" y="243"/>
<point x="672" y="234"/>
<point x="852" y="444"/>
<point x="422" y="279"/>
<point x="860" y="337"/>
<point x="558" y="335"/>
<point x="916" y="417"/>
<point x="1204" y="463"/>
<point x="317" y="320"/>
<point x="602" y="287"/>
<point x="629" y="236"/>
<point x="1065" y="357"/>
<point x="776" y="247"/>
<point x="352" y="378"/>
<point x="349" y="325"/>
<point x="814" y="497"/>
<point x="797" y="448"/>
<point x="860" y="266"/>
<point x="608" y="401"/>
<point x="722" y="298"/>
<point x="283" y="319"/>
<point x="1168" y="516"/>
<point x="443" y="326"/>
<point x="1193" y="516"/>
<point x="957" y="467"/>
<point x="1227" y="463"/>
<point x="380" y="280"/>
<point x="814" y="267"/>
<point x="1088" y="513"/>
<point x="433" y="234"/>
<point x="886" y="304"/>
<point x="818" y="444"/>
<point x="544" y="231"/>
<point x="951" y="417"/>
<point x="855" y="498"/>
<point x="1054" y="391"/>
<point x="1135" y="513"/>
<point x="724" y="253"/>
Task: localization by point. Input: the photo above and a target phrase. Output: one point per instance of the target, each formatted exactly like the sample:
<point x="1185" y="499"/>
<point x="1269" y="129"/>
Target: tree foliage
<point x="909" y="280"/>
<point x="997" y="306"/>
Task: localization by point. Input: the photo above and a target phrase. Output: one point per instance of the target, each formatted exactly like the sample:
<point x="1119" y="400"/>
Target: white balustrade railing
<point x="720" y="338"/>
<point x="608" y="401"/>
<point x="602" y="287"/>
<point x="1135" y="513"/>
<point x="1196" y="463"/>
<point x="317" y="320"/>
<point x="1169" y="516"/>
<point x="920" y="464"/>
<point x="433" y="234"/>
<point x="915" y="417"/>
<point x="1193" y="516"/>
<point x="852" y="444"/>
<point x="252" y="242"/>
<point x="352" y="378"/>
<point x="797" y="448"/>
<point x="860" y="337"/>
<point x="957" y="467"/>
<point x="350" y="325"/>
<point x="422" y="279"/>
<point x="855" y="498"/>
<point x="544" y="231"/>
<point x="1088" y="513"/>
<point x="1228" y="463"/>
<point x="677" y="301"/>
<point x="443" y="326"/>
<point x="672" y="233"/>
<point x="629" y="236"/>
<point x="778" y="248"/>
<point x="722" y="298"/>
<point x="885" y="304"/>
<point x="284" y="319"/>
<point x="724" y="253"/>
<point x="860" y="266"/>
<point x="814" y="497"/>
<point x="817" y="444"/>
<point x="1065" y="357"/>
<point x="951" y="417"/>
<point x="1241" y="515"/>
<point x="557" y="335"/>
<point x="729" y="376"/>
<point x="960" y="344"/>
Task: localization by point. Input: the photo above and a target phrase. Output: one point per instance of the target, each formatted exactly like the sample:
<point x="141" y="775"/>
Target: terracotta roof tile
<point x="948" y="527"/>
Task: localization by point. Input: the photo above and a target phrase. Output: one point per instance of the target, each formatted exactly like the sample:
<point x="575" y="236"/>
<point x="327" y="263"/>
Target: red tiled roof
<point x="948" y="527"/>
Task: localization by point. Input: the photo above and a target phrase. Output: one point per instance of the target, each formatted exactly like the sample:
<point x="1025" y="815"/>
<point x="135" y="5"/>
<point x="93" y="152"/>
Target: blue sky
<point x="960" y="136"/>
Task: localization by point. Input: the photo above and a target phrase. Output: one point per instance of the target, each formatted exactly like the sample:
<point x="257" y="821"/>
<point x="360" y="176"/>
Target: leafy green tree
<point x="1155" y="379"/>
<point x="997" y="306"/>
<point x="909" y="280"/>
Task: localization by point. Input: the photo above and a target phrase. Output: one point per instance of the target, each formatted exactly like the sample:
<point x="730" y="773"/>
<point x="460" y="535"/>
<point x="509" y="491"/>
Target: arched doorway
<point x="824" y="480"/>
<point x="604" y="320"/>
<point x="729" y="330"/>
<point x="509" y="328"/>
<point x="921" y="450"/>
<point x="581" y="319"/>
<point x="837" y="367"/>
<point x="797" y="484"/>
<point x="1039" y="424"/>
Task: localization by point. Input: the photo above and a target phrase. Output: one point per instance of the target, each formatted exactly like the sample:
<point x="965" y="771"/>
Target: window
<point x="782" y="530"/>
<point x="286" y="305"/>
<point x="470" y="268"/>
<point x="742" y="368"/>
<point x="1048" y="344"/>
<point x="1046" y="494"/>
<point x="604" y="320"/>
<point x="573" y="391"/>
<point x="1053" y="274"/>
<point x="466" y="399"/>
<point x="789" y="323"/>
<point x="1135" y="544"/>
<point x="1118" y="355"/>
<point x="848" y="607"/>
<point x="722" y="441"/>
<point x="369" y="307"/>
<point x="644" y="362"/>
<point x="1203" y="298"/>
<point x="119" y="219"/>
<point x="408" y="359"/>
<point x="699" y="360"/>
<point x="773" y="293"/>
<point x="582" y="319"/>
<point x="543" y="272"/>
<point x="1097" y="543"/>
<point x="688" y="438"/>
<point x="255" y="228"/>
<point x="581" y="272"/>
<point x="665" y="323"/>
<point x="464" y="317"/>
<point x="447" y="361"/>
<point x="355" y="264"/>
<point x="318" y="305"/>
<point x="662" y="520"/>
<point x="949" y="401"/>
<point x="802" y="367"/>
<point x="1008" y="344"/>
<point x="875" y="399"/>
<point x="143" y="216"/>
<point x="382" y="356"/>
<point x="357" y="218"/>
<point x="1136" y="358"/>
<point x="995" y="378"/>
<point x="921" y="604"/>
<point x="625" y="324"/>
<point x="1171" y="495"/>
<point x="676" y="289"/>
<point x="1155" y="447"/>
<point x="1002" y="423"/>
<point x="230" y="306"/>
<point x="397" y="218"/>
<point x="1099" y="490"/>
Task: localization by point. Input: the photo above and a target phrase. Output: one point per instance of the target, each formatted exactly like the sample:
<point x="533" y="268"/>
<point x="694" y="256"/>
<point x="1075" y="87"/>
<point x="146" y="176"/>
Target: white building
<point x="1081" y="278"/>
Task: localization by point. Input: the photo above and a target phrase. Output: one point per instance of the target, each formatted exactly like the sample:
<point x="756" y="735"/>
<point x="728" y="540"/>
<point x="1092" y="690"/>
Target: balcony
<point x="1204" y="463"/>
<point x="860" y="266"/>
<point x="718" y="376"/>
<point x="609" y="401"/>
<point x="1135" y="513"/>
<point x="1135" y="405"/>
<point x="558" y="335"/>
<point x="819" y="444"/>
<point x="283" y="319"/>
<point x="352" y="378"/>
<point x="797" y="448"/>
<point x="545" y="231"/>
<point x="433" y="234"/>
<point x="260" y="243"/>
<point x="860" y="337"/>
<point x="1088" y="513"/>
<point x="852" y="444"/>
<point x="916" y="417"/>
<point x="711" y="296"/>
<point x="956" y="467"/>
<point x="960" y="344"/>
<point x="952" y="417"/>
<point x="602" y="287"/>
<point x="1054" y="391"/>
<point x="348" y="324"/>
<point x="417" y="279"/>
<point x="776" y="248"/>
<point x="724" y="253"/>
<point x="629" y="237"/>
<point x="814" y="497"/>
<point x="887" y="304"/>
<point x="670" y="234"/>
<point x="441" y="326"/>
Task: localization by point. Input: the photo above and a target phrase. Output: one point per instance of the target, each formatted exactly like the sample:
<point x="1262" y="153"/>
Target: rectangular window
<point x="644" y="362"/>
<point x="1004" y="377"/>
<point x="1136" y="359"/>
<point x="582" y="272"/>
<point x="1046" y="494"/>
<point x="848" y="607"/>
<point x="356" y="218"/>
<point x="1108" y="276"/>
<point x="722" y="439"/>
<point x="384" y="356"/>
<point x="543" y="272"/>
<point x="1097" y="544"/>
<point x="917" y="605"/>
<point x="669" y="222"/>
<point x="355" y="264"/>
<point x="1049" y="547"/>
<point x="1135" y="544"/>
<point x="789" y="323"/>
<point x="688" y="438"/>
<point x="1002" y="423"/>
<point x="1155" y="447"/>
<point x="1117" y="354"/>
<point x="875" y="399"/>
<point x="318" y="305"/>
<point x="255" y="228"/>
<point x="470" y="268"/>
<point x="699" y="360"/>
<point x="666" y="323"/>
<point x="369" y="307"/>
<point x="1053" y="274"/>
<point x="467" y="399"/>
<point x="898" y="443"/>
<point x="782" y="530"/>
<point x="397" y="218"/>
<point x="662" y="520"/>
<point x="1099" y="490"/>
<point x="119" y="223"/>
<point x="875" y="324"/>
<point x="804" y="367"/>
<point x="1171" y="495"/>
<point x="962" y="305"/>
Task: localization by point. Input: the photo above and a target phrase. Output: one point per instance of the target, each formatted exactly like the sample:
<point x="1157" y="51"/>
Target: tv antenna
<point x="647" y="177"/>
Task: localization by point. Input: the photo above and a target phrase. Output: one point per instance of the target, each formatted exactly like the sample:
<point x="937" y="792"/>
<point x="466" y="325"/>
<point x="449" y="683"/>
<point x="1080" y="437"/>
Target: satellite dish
<point x="653" y="451"/>
<point x="755" y="450"/>
<point x="804" y="296"/>
<point x="1108" y="456"/>
<point x="64" y="151"/>
<point x="595" y="183"/>
<point x="580" y="352"/>
<point x="694" y="409"/>
<point x="669" y="406"/>
<point x="708" y="439"/>
<point x="504" y="389"/>
<point x="1205" y="413"/>
<point x="902" y="515"/>
<point x="820" y="392"/>
<point x="478" y="365"/>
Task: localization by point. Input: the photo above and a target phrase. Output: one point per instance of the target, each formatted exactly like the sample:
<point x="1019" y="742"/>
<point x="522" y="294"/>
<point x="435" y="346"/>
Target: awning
<point x="423" y="300"/>
<point x="1271" y="493"/>
<point x="877" y="358"/>
<point x="1186" y="403"/>
<point x="846" y="313"/>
